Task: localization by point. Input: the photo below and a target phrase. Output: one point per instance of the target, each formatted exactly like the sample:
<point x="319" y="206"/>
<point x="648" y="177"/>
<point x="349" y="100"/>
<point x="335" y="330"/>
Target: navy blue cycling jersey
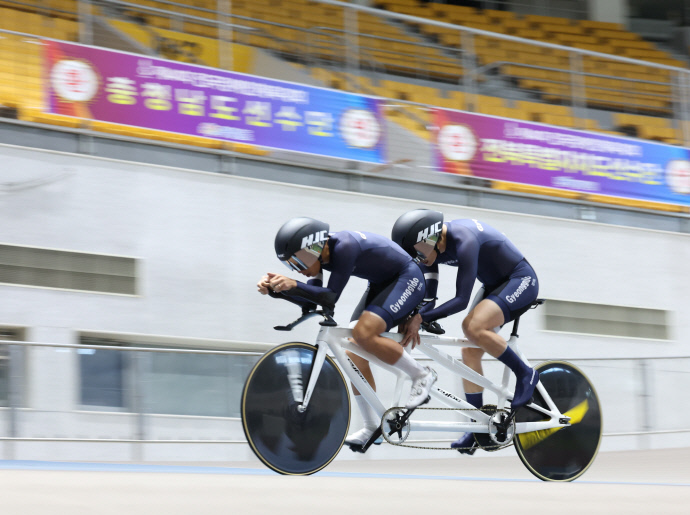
<point x="362" y="254"/>
<point x="479" y="251"/>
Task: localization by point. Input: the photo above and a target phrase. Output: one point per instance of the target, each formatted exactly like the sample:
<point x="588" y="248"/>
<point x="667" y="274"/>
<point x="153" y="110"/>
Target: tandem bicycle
<point x="296" y="405"/>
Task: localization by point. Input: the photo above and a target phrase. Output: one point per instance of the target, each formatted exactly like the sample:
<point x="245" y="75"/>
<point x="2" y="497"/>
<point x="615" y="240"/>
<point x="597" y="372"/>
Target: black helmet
<point x="300" y="241"/>
<point x="417" y="232"/>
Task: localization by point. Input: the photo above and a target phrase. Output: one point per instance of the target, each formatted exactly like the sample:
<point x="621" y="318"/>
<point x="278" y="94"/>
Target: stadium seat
<point x="590" y="35"/>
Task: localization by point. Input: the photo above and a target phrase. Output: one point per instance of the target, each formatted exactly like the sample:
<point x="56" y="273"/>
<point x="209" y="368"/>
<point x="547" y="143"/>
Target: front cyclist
<point x="396" y="287"/>
<point x="510" y="286"/>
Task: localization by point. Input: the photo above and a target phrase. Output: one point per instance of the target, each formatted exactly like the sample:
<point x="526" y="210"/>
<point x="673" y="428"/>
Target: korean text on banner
<point x="541" y="155"/>
<point x="177" y="97"/>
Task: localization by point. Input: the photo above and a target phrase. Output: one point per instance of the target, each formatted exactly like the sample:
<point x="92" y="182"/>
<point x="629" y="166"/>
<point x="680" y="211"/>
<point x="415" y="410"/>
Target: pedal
<point x="468" y="450"/>
<point x="356" y="447"/>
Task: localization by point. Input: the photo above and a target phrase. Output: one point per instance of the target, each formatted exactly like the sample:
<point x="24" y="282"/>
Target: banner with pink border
<point x="542" y="155"/>
<point x="141" y="91"/>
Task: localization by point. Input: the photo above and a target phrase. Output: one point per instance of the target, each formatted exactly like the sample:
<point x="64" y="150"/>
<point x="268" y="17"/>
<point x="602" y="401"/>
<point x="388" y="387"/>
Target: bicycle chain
<point x="488" y="447"/>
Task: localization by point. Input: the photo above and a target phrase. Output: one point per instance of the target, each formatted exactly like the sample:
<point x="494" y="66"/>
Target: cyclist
<point x="510" y="285"/>
<point x="396" y="287"/>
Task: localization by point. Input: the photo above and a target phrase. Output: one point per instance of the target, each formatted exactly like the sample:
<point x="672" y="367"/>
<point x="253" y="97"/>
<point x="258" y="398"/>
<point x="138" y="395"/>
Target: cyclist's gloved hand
<point x="433" y="328"/>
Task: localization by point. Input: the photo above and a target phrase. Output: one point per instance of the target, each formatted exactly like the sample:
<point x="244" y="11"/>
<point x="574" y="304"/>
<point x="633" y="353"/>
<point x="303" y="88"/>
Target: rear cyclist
<point x="510" y="286"/>
<point x="396" y="287"/>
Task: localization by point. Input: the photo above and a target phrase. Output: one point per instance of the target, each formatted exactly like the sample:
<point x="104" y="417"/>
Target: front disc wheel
<point x="283" y="436"/>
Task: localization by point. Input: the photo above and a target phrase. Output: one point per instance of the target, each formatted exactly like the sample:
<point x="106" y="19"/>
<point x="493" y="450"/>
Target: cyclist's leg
<point x="467" y="444"/>
<point x="369" y="417"/>
<point x="382" y="307"/>
<point x="513" y="299"/>
<point x="364" y="367"/>
<point x="472" y="356"/>
<point x="388" y="309"/>
<point x="367" y="334"/>
<point x="479" y="325"/>
<point x="361" y="363"/>
<point x="386" y="305"/>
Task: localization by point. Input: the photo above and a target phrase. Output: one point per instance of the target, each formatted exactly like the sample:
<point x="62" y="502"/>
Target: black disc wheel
<point x="562" y="454"/>
<point x="285" y="438"/>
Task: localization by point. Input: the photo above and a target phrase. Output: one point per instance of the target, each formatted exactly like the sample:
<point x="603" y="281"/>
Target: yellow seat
<point x="560" y="120"/>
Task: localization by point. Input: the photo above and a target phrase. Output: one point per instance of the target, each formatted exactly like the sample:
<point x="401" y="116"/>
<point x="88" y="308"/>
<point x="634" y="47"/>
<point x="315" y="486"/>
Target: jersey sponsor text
<point x="524" y="284"/>
<point x="412" y="285"/>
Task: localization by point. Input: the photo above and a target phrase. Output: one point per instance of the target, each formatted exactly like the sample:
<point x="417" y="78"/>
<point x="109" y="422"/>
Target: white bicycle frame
<point x="336" y="339"/>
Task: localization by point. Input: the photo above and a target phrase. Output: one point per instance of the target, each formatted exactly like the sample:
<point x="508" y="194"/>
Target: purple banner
<point x="183" y="98"/>
<point x="542" y="155"/>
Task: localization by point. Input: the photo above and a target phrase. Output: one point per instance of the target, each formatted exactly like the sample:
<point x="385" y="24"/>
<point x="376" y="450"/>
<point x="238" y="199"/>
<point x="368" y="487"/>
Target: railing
<point x="418" y="62"/>
<point x="131" y="394"/>
<point x="77" y="402"/>
<point x="590" y="94"/>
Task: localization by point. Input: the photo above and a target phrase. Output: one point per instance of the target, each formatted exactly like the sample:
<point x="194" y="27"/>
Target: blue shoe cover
<point x="525" y="388"/>
<point x="465" y="443"/>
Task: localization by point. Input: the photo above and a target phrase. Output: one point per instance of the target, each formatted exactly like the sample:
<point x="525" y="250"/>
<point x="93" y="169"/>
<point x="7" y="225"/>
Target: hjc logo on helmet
<point x="308" y="241"/>
<point x="429" y="231"/>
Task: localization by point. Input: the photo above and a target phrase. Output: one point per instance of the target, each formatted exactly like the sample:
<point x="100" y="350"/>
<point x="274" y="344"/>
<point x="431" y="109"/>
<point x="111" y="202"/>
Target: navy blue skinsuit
<point x="481" y="252"/>
<point x="396" y="283"/>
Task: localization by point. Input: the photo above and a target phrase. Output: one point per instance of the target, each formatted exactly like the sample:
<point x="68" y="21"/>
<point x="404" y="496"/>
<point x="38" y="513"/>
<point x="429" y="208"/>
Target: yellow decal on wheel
<point x="576" y="415"/>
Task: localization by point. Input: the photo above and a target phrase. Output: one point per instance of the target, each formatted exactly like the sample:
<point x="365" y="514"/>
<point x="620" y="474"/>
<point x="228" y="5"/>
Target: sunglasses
<point x="425" y="247"/>
<point x="304" y="258"/>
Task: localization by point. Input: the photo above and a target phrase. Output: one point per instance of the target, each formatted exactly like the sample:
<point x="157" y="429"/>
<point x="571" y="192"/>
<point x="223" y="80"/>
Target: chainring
<point x="398" y="426"/>
<point x="484" y="440"/>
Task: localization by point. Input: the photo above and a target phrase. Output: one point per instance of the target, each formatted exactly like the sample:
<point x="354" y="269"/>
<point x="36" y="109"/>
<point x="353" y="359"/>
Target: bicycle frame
<point x="336" y="339"/>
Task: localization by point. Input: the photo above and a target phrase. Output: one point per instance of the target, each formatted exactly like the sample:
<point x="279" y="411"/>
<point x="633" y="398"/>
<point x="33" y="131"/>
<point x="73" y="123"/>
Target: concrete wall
<point x="203" y="240"/>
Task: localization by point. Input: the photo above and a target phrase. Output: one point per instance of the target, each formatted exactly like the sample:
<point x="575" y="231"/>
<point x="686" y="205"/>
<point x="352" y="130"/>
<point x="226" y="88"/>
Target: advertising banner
<point x="541" y="155"/>
<point x="177" y="97"/>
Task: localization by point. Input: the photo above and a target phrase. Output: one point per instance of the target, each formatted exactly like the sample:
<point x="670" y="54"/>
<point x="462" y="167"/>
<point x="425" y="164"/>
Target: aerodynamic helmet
<point x="418" y="232"/>
<point x="300" y="242"/>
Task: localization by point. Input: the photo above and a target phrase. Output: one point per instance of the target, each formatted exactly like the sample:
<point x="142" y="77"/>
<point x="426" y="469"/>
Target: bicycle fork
<point x="301" y="396"/>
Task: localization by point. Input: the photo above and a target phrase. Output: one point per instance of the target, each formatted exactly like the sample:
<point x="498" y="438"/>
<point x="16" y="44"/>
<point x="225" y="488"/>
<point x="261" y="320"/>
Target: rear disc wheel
<point x="562" y="454"/>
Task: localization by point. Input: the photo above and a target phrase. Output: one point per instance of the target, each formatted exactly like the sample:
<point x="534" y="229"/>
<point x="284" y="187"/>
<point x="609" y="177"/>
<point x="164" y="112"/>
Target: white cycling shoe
<point x="362" y="436"/>
<point x="421" y="387"/>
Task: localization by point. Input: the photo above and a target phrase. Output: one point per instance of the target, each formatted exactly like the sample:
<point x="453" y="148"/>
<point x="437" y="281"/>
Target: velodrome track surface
<point x="641" y="482"/>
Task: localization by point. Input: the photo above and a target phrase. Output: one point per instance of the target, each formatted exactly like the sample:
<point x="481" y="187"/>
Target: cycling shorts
<point x="394" y="300"/>
<point x="515" y="295"/>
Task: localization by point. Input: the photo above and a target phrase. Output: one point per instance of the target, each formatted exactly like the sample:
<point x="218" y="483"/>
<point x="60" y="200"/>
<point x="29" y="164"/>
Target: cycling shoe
<point x="466" y="444"/>
<point x="362" y="436"/>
